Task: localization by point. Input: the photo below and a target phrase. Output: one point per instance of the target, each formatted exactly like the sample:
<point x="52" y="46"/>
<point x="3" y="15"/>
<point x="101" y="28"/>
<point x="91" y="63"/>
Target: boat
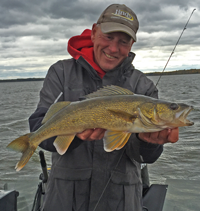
<point x="153" y="195"/>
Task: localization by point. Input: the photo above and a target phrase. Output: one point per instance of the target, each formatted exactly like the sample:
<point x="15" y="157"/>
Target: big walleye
<point x="113" y="108"/>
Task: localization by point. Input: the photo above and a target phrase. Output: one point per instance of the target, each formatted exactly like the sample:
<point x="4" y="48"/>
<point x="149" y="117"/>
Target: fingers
<point x="97" y="134"/>
<point x="91" y="134"/>
<point x="173" y="135"/>
<point x="85" y="134"/>
<point x="161" y="137"/>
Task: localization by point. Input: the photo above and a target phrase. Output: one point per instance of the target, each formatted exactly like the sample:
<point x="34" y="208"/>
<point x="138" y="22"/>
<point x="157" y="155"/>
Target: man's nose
<point x="114" y="46"/>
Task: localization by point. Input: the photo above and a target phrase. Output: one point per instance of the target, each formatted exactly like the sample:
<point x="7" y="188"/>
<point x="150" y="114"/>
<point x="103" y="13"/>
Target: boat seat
<point x="154" y="197"/>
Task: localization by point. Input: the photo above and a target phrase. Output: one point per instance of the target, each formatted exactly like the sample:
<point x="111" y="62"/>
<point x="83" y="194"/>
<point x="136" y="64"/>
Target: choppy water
<point x="180" y="161"/>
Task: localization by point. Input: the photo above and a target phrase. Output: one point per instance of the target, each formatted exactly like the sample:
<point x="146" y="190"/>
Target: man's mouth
<point x="109" y="56"/>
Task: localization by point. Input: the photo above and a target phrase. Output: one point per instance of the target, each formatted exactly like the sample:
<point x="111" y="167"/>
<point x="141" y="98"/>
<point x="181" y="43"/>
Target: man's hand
<point x="161" y="137"/>
<point x="91" y="134"/>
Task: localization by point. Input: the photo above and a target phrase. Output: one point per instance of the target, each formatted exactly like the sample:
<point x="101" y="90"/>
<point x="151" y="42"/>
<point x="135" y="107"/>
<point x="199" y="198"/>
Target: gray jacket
<point x="86" y="177"/>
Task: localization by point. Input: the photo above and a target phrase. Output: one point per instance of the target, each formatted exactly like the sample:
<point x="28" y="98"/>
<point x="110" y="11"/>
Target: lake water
<point x="179" y="164"/>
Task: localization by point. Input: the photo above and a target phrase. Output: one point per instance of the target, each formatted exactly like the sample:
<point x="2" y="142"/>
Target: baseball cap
<point x="119" y="18"/>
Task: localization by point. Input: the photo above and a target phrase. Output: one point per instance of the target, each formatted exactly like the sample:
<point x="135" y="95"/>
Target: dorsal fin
<point x="110" y="90"/>
<point x="54" y="108"/>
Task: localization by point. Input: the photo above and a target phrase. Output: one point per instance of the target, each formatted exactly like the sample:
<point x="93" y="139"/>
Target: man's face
<point x="110" y="49"/>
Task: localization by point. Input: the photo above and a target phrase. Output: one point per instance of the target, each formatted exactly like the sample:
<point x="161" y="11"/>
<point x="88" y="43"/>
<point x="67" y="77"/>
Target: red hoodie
<point x="81" y="45"/>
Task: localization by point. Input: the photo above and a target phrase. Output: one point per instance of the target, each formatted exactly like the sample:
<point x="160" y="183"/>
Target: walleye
<point x="113" y="108"/>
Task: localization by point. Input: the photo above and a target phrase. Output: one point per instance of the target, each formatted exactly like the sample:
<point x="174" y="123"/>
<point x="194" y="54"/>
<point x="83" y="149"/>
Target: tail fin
<point x="22" y="145"/>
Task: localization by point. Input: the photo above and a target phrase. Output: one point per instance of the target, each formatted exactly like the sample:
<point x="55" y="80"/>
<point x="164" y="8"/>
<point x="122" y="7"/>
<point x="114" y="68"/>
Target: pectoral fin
<point x="115" y="140"/>
<point x="54" y="109"/>
<point x="124" y="115"/>
<point x="62" y="143"/>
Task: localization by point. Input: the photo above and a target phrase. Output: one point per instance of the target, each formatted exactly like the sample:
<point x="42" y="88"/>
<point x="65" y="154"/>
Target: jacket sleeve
<point x="52" y="88"/>
<point x="137" y="149"/>
<point x="142" y="152"/>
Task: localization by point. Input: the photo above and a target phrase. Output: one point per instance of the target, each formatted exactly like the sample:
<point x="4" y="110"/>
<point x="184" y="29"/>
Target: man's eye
<point x="123" y="42"/>
<point x="108" y="37"/>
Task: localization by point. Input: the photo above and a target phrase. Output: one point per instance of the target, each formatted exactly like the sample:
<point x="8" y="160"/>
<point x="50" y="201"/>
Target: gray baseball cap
<point x="119" y="18"/>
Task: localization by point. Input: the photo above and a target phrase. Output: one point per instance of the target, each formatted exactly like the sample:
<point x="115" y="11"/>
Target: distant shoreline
<point x="21" y="79"/>
<point x="176" y="72"/>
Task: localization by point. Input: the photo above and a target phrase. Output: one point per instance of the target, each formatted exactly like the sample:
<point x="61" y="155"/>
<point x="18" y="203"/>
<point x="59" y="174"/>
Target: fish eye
<point x="174" y="106"/>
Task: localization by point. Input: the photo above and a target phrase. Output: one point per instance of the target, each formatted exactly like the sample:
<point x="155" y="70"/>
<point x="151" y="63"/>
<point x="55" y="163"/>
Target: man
<point x="87" y="178"/>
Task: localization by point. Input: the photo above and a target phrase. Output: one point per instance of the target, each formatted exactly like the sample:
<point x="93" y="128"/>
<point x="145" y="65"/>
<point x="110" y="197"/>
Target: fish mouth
<point x="182" y="115"/>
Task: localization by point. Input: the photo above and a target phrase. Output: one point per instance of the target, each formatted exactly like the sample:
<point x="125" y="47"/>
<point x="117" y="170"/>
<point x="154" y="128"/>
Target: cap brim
<point x="109" y="27"/>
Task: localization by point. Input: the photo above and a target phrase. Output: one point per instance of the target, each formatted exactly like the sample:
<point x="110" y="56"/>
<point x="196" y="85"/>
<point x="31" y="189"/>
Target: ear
<point x="131" y="45"/>
<point x="94" y="30"/>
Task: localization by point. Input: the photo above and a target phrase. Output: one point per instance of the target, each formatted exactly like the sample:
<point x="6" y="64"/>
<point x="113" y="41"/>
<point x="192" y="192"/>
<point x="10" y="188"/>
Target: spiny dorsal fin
<point x="54" y="108"/>
<point x="110" y="90"/>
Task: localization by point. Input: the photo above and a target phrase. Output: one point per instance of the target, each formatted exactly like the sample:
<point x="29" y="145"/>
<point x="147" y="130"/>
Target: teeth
<point x="111" y="57"/>
<point x="177" y="115"/>
<point x="183" y="114"/>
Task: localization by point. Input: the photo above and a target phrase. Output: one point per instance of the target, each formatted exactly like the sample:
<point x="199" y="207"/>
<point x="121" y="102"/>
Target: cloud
<point x="34" y="34"/>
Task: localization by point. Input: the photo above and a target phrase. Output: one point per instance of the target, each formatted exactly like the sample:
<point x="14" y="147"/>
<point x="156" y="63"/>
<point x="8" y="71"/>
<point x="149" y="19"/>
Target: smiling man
<point x="113" y="36"/>
<point x="86" y="178"/>
<point x="110" y="49"/>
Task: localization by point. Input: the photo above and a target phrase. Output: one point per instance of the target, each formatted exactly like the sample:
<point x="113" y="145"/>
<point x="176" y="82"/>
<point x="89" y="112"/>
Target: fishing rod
<point x="175" y="47"/>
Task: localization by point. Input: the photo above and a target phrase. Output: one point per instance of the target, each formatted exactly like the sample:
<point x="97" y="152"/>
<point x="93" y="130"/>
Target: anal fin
<point x="62" y="143"/>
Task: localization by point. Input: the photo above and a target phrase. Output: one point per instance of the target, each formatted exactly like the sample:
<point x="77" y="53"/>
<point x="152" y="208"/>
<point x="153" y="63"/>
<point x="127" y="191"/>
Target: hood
<point x="81" y="45"/>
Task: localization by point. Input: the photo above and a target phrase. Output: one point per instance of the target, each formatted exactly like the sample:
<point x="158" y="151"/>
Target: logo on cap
<point x="123" y="14"/>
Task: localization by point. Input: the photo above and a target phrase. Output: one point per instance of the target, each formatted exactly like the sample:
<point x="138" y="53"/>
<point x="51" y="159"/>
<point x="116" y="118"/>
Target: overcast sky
<point x="34" y="33"/>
